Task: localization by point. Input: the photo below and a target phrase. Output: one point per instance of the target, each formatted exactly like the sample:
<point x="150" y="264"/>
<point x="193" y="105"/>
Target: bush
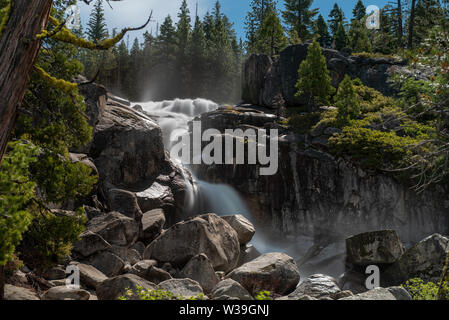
<point x="303" y="123"/>
<point x="370" y="100"/>
<point x="346" y="101"/>
<point x="420" y="290"/>
<point x="145" y="294"/>
<point x="263" y="295"/>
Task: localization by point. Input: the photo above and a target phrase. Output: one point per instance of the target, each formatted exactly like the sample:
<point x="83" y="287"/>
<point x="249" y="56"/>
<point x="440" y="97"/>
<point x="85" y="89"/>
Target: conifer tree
<point x="358" y="37"/>
<point x="322" y="32"/>
<point x="197" y="58"/>
<point x="254" y="21"/>
<point x="298" y="16"/>
<point x="359" y="10"/>
<point x="346" y="101"/>
<point x="271" y="35"/>
<point x="96" y="28"/>
<point x="337" y="17"/>
<point x="341" y="37"/>
<point x="314" y="80"/>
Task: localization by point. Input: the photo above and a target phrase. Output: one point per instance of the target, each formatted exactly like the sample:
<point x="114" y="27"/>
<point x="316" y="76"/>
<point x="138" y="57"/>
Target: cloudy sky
<point x="132" y="13"/>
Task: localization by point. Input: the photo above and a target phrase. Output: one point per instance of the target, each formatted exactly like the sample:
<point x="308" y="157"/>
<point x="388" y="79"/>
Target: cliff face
<point x="264" y="80"/>
<point x="315" y="200"/>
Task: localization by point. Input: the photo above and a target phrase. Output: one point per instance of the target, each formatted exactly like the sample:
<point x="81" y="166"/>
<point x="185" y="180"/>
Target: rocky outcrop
<point x="90" y="276"/>
<point x="394" y="293"/>
<point x="200" y="269"/>
<point x="244" y="228"/>
<point x="19" y="293"/>
<point x="231" y="288"/>
<point x="152" y="223"/>
<point x="264" y="80"/>
<point x="116" y="287"/>
<point x="65" y="293"/>
<point x="115" y="228"/>
<point x="185" y="288"/>
<point x="208" y="234"/>
<point x="274" y="272"/>
<point x="316" y="286"/>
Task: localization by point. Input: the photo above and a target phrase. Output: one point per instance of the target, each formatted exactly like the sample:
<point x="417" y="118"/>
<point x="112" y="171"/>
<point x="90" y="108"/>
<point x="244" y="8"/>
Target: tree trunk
<point x="411" y="25"/>
<point x="18" y="52"/>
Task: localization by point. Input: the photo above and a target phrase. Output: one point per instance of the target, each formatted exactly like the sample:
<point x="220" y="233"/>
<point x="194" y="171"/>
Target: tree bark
<point x="18" y="52"/>
<point x="411" y="25"/>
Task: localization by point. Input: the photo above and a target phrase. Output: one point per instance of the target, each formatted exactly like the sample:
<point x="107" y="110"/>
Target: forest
<point x="356" y="154"/>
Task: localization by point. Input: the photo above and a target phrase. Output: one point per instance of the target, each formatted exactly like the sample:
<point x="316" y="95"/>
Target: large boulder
<point x="424" y="260"/>
<point x="200" y="269"/>
<point x="124" y="202"/>
<point x="19" y="293"/>
<point x="128" y="255"/>
<point x="108" y="263"/>
<point x="152" y="223"/>
<point x="89" y="244"/>
<point x="247" y="253"/>
<point x="394" y="293"/>
<point x="231" y="288"/>
<point x="208" y="234"/>
<point x="147" y="269"/>
<point x="377" y="247"/>
<point x="115" y="228"/>
<point x="65" y="293"/>
<point x="127" y="146"/>
<point x="316" y="286"/>
<point x="90" y="276"/>
<point x="274" y="272"/>
<point x="185" y="288"/>
<point x="244" y="228"/>
<point x="116" y="287"/>
<point x="156" y="196"/>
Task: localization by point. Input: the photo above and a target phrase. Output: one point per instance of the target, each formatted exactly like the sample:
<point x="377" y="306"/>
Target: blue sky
<point x="132" y="13"/>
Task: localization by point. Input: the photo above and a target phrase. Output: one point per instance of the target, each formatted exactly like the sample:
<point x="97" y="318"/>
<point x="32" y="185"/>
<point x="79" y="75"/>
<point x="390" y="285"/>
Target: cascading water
<point x="173" y="118"/>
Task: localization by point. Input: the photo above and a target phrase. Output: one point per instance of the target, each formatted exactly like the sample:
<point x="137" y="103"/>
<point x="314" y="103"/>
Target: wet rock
<point x="244" y="228"/>
<point x="231" y="288"/>
<point x="317" y="286"/>
<point x="116" y="287"/>
<point x="115" y="228"/>
<point x="274" y="272"/>
<point x="208" y="234"/>
<point x="377" y="247"/>
<point x="200" y="269"/>
<point x="186" y="288"/>
<point x="65" y="293"/>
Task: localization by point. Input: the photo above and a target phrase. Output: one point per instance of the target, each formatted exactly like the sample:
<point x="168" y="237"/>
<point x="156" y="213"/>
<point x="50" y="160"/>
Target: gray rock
<point x="130" y="256"/>
<point x="90" y="276"/>
<point x="381" y="294"/>
<point x="108" y="263"/>
<point x="89" y="244"/>
<point x="19" y="293"/>
<point x="115" y="228"/>
<point x="186" y="288"/>
<point x="65" y="293"/>
<point x="316" y="286"/>
<point x="231" y="288"/>
<point x="274" y="272"/>
<point x="244" y="228"/>
<point x="147" y="270"/>
<point x="54" y="273"/>
<point x="341" y="294"/>
<point x="112" y="289"/>
<point x="424" y="260"/>
<point x="353" y="281"/>
<point x="152" y="223"/>
<point x="139" y="247"/>
<point x="124" y="202"/>
<point x="247" y="254"/>
<point x="200" y="269"/>
<point x="208" y="234"/>
<point x="377" y="247"/>
<point x="155" y="197"/>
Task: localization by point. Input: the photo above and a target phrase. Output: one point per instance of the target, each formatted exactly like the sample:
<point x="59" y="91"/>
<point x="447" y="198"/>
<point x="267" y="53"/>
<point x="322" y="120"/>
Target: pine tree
<point x="183" y="29"/>
<point x="337" y="17"/>
<point x="359" y="10"/>
<point x="271" y="35"/>
<point x="254" y="21"/>
<point x="358" y="37"/>
<point x="96" y="28"/>
<point x="314" y="80"/>
<point x="346" y="101"/>
<point x="341" y="38"/>
<point x="322" y="32"/>
<point x="298" y="16"/>
<point x="197" y="57"/>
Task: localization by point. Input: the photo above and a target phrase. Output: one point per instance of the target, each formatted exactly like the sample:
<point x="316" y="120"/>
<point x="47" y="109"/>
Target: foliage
<point x="255" y="17"/>
<point x="5" y="9"/>
<point x="146" y="294"/>
<point x="358" y="37"/>
<point x="359" y="10"/>
<point x="369" y="99"/>
<point x="96" y="27"/>
<point x="346" y="101"/>
<point x="322" y="32"/>
<point x="302" y="123"/>
<point x="313" y="76"/>
<point x="299" y="17"/>
<point x="16" y="196"/>
<point x="49" y="239"/>
<point x="271" y="38"/>
<point x="263" y="295"/>
<point x="336" y="17"/>
<point x="341" y="38"/>
<point x="420" y="290"/>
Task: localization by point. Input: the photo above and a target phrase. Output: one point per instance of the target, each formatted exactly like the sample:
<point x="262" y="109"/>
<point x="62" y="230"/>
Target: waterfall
<point x="203" y="197"/>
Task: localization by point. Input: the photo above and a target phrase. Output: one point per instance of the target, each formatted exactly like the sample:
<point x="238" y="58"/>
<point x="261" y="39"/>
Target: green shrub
<point x="346" y="101"/>
<point x="420" y="290"/>
<point x="370" y="100"/>
<point x="302" y="123"/>
<point x="370" y="55"/>
<point x="145" y="294"/>
<point x="263" y="295"/>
